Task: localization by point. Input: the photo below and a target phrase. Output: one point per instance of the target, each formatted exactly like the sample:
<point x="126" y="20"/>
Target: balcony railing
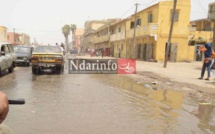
<point x="143" y="30"/>
<point x="117" y="36"/>
<point x="192" y="29"/>
<point x="101" y="39"/>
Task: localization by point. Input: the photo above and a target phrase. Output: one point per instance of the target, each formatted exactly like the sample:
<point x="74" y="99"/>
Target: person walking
<point x="119" y="53"/>
<point x="207" y="49"/>
<point x="102" y="51"/>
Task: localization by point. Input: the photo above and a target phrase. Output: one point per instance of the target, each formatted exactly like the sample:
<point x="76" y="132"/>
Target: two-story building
<point x="88" y="36"/>
<point x="3" y="33"/>
<point x="25" y="39"/>
<point x="14" y="38"/>
<point x="152" y="32"/>
<point x="201" y="31"/>
<point x="102" y="37"/>
<point x="117" y="39"/>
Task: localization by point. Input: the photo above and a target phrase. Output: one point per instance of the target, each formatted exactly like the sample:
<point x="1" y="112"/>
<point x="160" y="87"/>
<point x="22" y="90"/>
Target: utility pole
<point x="134" y="35"/>
<point x="213" y="45"/>
<point x="170" y="34"/>
<point x="211" y="17"/>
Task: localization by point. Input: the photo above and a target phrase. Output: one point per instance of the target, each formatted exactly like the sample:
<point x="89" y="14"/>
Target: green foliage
<point x="73" y="28"/>
<point x="66" y="30"/>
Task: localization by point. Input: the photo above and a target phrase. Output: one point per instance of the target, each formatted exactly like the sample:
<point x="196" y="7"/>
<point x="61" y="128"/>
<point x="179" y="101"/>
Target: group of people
<point x="92" y="52"/>
<point x="209" y="61"/>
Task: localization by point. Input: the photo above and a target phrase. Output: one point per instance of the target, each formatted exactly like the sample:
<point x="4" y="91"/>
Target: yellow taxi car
<point x="47" y="57"/>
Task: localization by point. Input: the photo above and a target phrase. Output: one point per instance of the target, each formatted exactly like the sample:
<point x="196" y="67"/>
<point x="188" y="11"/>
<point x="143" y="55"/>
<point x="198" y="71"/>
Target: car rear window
<point x="48" y="49"/>
<point x="22" y="49"/>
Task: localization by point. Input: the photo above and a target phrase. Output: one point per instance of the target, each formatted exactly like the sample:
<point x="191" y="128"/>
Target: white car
<point x="7" y="57"/>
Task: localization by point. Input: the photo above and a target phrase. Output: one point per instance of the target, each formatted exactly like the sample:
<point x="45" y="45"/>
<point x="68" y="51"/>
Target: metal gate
<point x="173" y="52"/>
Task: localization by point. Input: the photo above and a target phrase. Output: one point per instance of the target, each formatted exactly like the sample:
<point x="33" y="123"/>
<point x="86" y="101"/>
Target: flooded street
<point x="100" y="104"/>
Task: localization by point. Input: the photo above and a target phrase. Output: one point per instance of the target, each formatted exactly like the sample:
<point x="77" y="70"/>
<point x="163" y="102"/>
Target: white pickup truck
<point x="7" y="57"/>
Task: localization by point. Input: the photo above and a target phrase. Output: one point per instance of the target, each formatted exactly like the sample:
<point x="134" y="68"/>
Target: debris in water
<point x="205" y="103"/>
<point x="154" y="82"/>
<point x="154" y="88"/>
<point x="168" y="83"/>
<point x="147" y="85"/>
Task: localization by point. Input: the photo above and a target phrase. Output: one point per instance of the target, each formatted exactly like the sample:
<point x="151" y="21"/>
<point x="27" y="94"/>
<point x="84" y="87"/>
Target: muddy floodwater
<point x="100" y="104"/>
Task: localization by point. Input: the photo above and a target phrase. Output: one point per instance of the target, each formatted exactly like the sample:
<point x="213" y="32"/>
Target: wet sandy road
<point x="100" y="104"/>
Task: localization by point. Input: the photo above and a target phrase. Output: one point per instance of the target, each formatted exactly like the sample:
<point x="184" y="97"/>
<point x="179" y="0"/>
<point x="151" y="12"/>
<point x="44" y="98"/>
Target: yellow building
<point x="117" y="39"/>
<point x="88" y="36"/>
<point x="152" y="31"/>
<point x="102" y="37"/>
<point x="201" y="31"/>
<point x="3" y="33"/>
<point x="25" y="39"/>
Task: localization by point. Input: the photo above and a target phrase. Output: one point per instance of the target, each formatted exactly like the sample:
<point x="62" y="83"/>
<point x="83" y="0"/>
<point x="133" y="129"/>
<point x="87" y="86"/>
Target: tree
<point x="66" y="31"/>
<point x="73" y="29"/>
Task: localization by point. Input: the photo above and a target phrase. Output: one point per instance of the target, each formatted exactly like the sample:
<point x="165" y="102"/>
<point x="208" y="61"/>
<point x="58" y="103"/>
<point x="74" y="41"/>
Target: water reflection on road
<point x="100" y="104"/>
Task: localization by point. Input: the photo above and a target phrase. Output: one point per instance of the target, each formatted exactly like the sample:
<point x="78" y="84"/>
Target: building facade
<point x="152" y="32"/>
<point x="76" y="38"/>
<point x="144" y="35"/>
<point x="117" y="39"/>
<point x="14" y="38"/>
<point x="25" y="39"/>
<point x="151" y="28"/>
<point x="89" y="36"/>
<point x="3" y="34"/>
<point x="201" y="31"/>
<point x="102" y="37"/>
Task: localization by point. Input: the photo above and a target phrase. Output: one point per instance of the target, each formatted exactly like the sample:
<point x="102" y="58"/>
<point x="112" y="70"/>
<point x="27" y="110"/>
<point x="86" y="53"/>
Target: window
<point x="6" y="49"/>
<point x="207" y="26"/>
<point x="132" y="25"/>
<point x="10" y="48"/>
<point x="138" y="22"/>
<point x="112" y="31"/>
<point x="149" y="17"/>
<point x="119" y="30"/>
<point x="176" y="16"/>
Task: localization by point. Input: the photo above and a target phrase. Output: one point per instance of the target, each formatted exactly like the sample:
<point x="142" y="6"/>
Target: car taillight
<point x="34" y="58"/>
<point x="58" y="58"/>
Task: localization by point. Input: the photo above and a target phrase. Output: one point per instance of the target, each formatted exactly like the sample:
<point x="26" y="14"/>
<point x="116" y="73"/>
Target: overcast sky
<point x="43" y="19"/>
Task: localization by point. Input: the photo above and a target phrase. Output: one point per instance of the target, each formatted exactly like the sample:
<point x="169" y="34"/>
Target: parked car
<point x="47" y="57"/>
<point x="7" y="57"/>
<point x="73" y="51"/>
<point x="24" y="54"/>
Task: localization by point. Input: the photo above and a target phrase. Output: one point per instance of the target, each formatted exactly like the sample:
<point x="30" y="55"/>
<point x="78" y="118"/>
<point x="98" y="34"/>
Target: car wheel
<point x="34" y="70"/>
<point x="11" y="68"/>
<point x="28" y="63"/>
<point x="61" y="70"/>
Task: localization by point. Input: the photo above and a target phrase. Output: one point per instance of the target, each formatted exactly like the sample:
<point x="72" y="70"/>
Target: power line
<point x="167" y="11"/>
<point x="127" y="11"/>
<point x="147" y="4"/>
<point x="200" y="5"/>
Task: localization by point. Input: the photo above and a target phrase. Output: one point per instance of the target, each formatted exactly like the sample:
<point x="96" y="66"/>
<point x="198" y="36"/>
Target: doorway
<point x="199" y="55"/>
